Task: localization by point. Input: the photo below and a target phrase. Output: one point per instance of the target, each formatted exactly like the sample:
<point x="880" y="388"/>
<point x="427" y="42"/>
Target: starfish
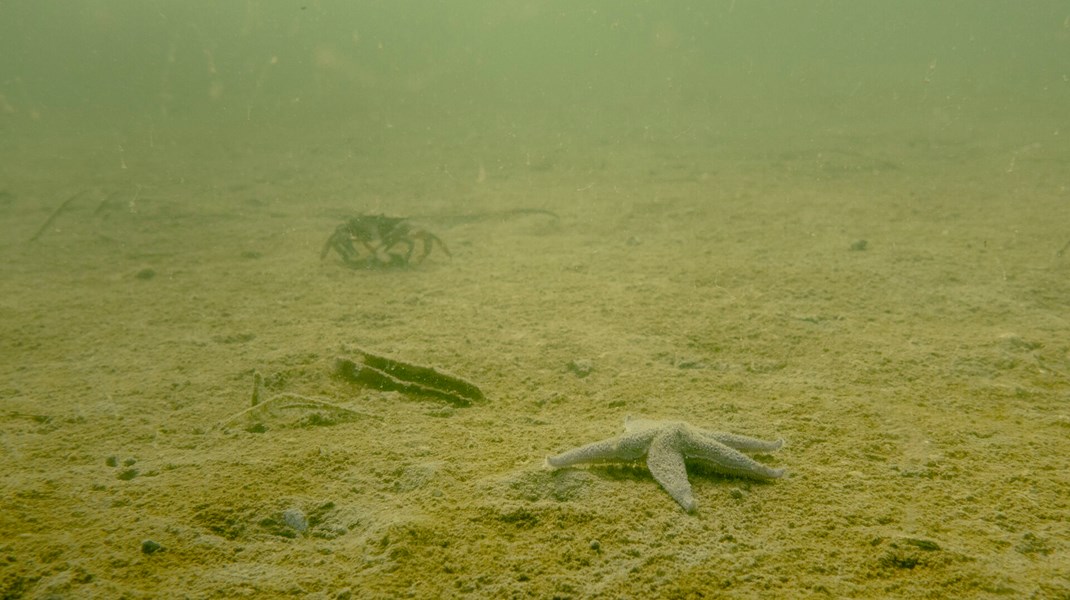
<point x="666" y="445"/>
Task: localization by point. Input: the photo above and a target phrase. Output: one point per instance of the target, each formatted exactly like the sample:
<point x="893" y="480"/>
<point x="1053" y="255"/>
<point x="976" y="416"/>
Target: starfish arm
<point x="666" y="464"/>
<point x="727" y="460"/>
<point x="625" y="447"/>
<point x="742" y="442"/>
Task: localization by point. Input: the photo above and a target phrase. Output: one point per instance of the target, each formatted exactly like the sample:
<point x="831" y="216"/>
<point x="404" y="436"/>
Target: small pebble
<point x="296" y="519"/>
<point x="580" y="367"/>
<point x="596" y="545"/>
<point x="150" y="547"/>
<point x="736" y="493"/>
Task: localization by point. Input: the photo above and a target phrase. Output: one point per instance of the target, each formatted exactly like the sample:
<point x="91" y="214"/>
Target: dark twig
<point x="59" y="210"/>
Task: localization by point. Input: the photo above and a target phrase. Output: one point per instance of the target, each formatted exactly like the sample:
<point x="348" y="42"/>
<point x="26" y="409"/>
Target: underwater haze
<point x="721" y="68"/>
<point x="297" y="298"/>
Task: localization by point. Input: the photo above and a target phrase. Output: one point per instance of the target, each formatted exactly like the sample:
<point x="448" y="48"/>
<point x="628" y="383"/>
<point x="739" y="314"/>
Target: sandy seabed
<point x="896" y="308"/>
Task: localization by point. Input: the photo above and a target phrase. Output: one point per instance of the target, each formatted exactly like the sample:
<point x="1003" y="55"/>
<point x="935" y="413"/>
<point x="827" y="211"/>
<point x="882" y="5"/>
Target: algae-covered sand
<point x="920" y="380"/>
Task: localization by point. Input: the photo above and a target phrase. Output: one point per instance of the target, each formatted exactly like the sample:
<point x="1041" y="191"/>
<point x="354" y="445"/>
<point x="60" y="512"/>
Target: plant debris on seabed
<point x="294" y="410"/>
<point x="289" y="409"/>
<point x="393" y="375"/>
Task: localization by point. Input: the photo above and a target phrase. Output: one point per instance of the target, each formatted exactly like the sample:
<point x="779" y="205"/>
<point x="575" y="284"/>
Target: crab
<point x="384" y="242"/>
